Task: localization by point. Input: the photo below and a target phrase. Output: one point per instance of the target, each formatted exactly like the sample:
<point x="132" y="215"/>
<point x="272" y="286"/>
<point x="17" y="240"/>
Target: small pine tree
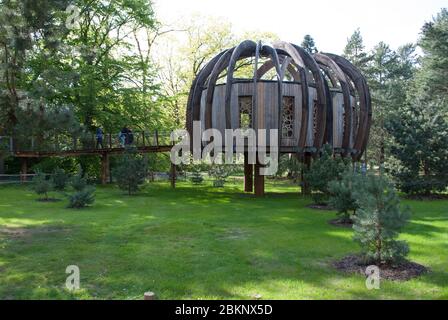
<point x="196" y="177"/>
<point x="342" y="195"/>
<point x="83" y="198"/>
<point x="322" y="171"/>
<point x="78" y="182"/>
<point x="308" y="44"/>
<point x="219" y="173"/>
<point x="59" y="179"/>
<point x="41" y="185"/>
<point x="130" y="172"/>
<point x="378" y="222"/>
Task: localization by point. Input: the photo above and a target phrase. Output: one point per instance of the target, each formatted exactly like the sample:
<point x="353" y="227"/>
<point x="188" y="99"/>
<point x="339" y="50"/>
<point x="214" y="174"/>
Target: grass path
<point x="199" y="243"/>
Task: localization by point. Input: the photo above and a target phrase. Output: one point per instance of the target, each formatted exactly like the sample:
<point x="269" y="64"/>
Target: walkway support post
<point x="104" y="168"/>
<point x="248" y="174"/>
<point x="173" y="175"/>
<point x="259" y="181"/>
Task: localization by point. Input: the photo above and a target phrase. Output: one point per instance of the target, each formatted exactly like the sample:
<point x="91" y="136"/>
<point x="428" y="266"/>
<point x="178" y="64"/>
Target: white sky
<point x="330" y="22"/>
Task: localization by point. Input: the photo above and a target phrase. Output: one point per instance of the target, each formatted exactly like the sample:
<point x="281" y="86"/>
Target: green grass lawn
<point x="198" y="242"/>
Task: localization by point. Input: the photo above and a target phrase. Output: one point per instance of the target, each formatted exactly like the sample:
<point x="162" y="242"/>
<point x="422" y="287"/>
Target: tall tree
<point x="308" y="44"/>
<point x="24" y="26"/>
<point x="102" y="54"/>
<point x="388" y="75"/>
<point x="434" y="73"/>
<point x="355" y="52"/>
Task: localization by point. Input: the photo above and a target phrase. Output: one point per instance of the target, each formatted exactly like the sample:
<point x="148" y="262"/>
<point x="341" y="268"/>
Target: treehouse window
<point x="245" y="106"/>
<point x="288" y="117"/>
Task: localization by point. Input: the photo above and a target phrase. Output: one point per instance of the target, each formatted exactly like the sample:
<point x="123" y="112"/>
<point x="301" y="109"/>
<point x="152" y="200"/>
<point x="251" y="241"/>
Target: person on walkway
<point x="129" y="137"/>
<point x="123" y="136"/>
<point x="99" y="138"/>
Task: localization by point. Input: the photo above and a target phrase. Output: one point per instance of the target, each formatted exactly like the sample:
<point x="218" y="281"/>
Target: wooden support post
<point x="23" y="169"/>
<point x="259" y="181"/>
<point x="173" y="175"/>
<point x="248" y="174"/>
<point x="149" y="296"/>
<point x="104" y="168"/>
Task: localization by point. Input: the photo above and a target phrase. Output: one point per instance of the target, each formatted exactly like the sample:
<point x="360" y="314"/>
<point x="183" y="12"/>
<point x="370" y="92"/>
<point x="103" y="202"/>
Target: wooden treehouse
<point x="311" y="99"/>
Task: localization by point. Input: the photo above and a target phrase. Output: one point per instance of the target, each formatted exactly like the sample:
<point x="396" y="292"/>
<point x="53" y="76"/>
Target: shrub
<point x="342" y="195"/>
<point x="378" y="222"/>
<point x="41" y="185"/>
<point x="322" y="171"/>
<point x="130" y="172"/>
<point x="59" y="179"/>
<point x="78" y="182"/>
<point x="83" y="198"/>
<point x="219" y="173"/>
<point x="196" y="176"/>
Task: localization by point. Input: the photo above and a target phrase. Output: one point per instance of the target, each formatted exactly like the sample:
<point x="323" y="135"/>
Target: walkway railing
<point x="69" y="143"/>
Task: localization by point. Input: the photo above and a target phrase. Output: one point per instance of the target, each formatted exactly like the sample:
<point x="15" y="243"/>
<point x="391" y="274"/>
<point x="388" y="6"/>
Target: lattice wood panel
<point x="288" y="118"/>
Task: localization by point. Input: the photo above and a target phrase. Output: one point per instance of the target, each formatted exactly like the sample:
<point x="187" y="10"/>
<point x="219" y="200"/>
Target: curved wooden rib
<point x="194" y="97"/>
<point x="365" y="116"/>
<point x="270" y="51"/>
<point x="217" y="69"/>
<point x="255" y="91"/>
<point x="321" y="95"/>
<point x="306" y="107"/>
<point x="334" y="81"/>
<point x="344" y="83"/>
<point x="268" y="65"/>
<point x="243" y="50"/>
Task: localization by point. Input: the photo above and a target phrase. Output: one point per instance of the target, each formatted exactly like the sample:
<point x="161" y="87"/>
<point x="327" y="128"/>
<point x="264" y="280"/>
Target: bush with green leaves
<point x="342" y="195"/>
<point x="378" y="222"/>
<point x="322" y="171"/>
<point x="41" y="185"/>
<point x="59" y="179"/>
<point x="81" y="199"/>
<point x="130" y="171"/>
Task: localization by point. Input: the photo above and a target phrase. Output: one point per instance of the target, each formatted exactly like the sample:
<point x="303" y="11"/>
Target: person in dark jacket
<point x="99" y="138"/>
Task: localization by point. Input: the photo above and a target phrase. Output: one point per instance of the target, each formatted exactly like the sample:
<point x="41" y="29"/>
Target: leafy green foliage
<point x="420" y="148"/>
<point x="82" y="198"/>
<point x="378" y="222"/>
<point x="342" y="194"/>
<point x="41" y="185"/>
<point x="130" y="172"/>
<point x="322" y="171"/>
<point x="59" y="179"/>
